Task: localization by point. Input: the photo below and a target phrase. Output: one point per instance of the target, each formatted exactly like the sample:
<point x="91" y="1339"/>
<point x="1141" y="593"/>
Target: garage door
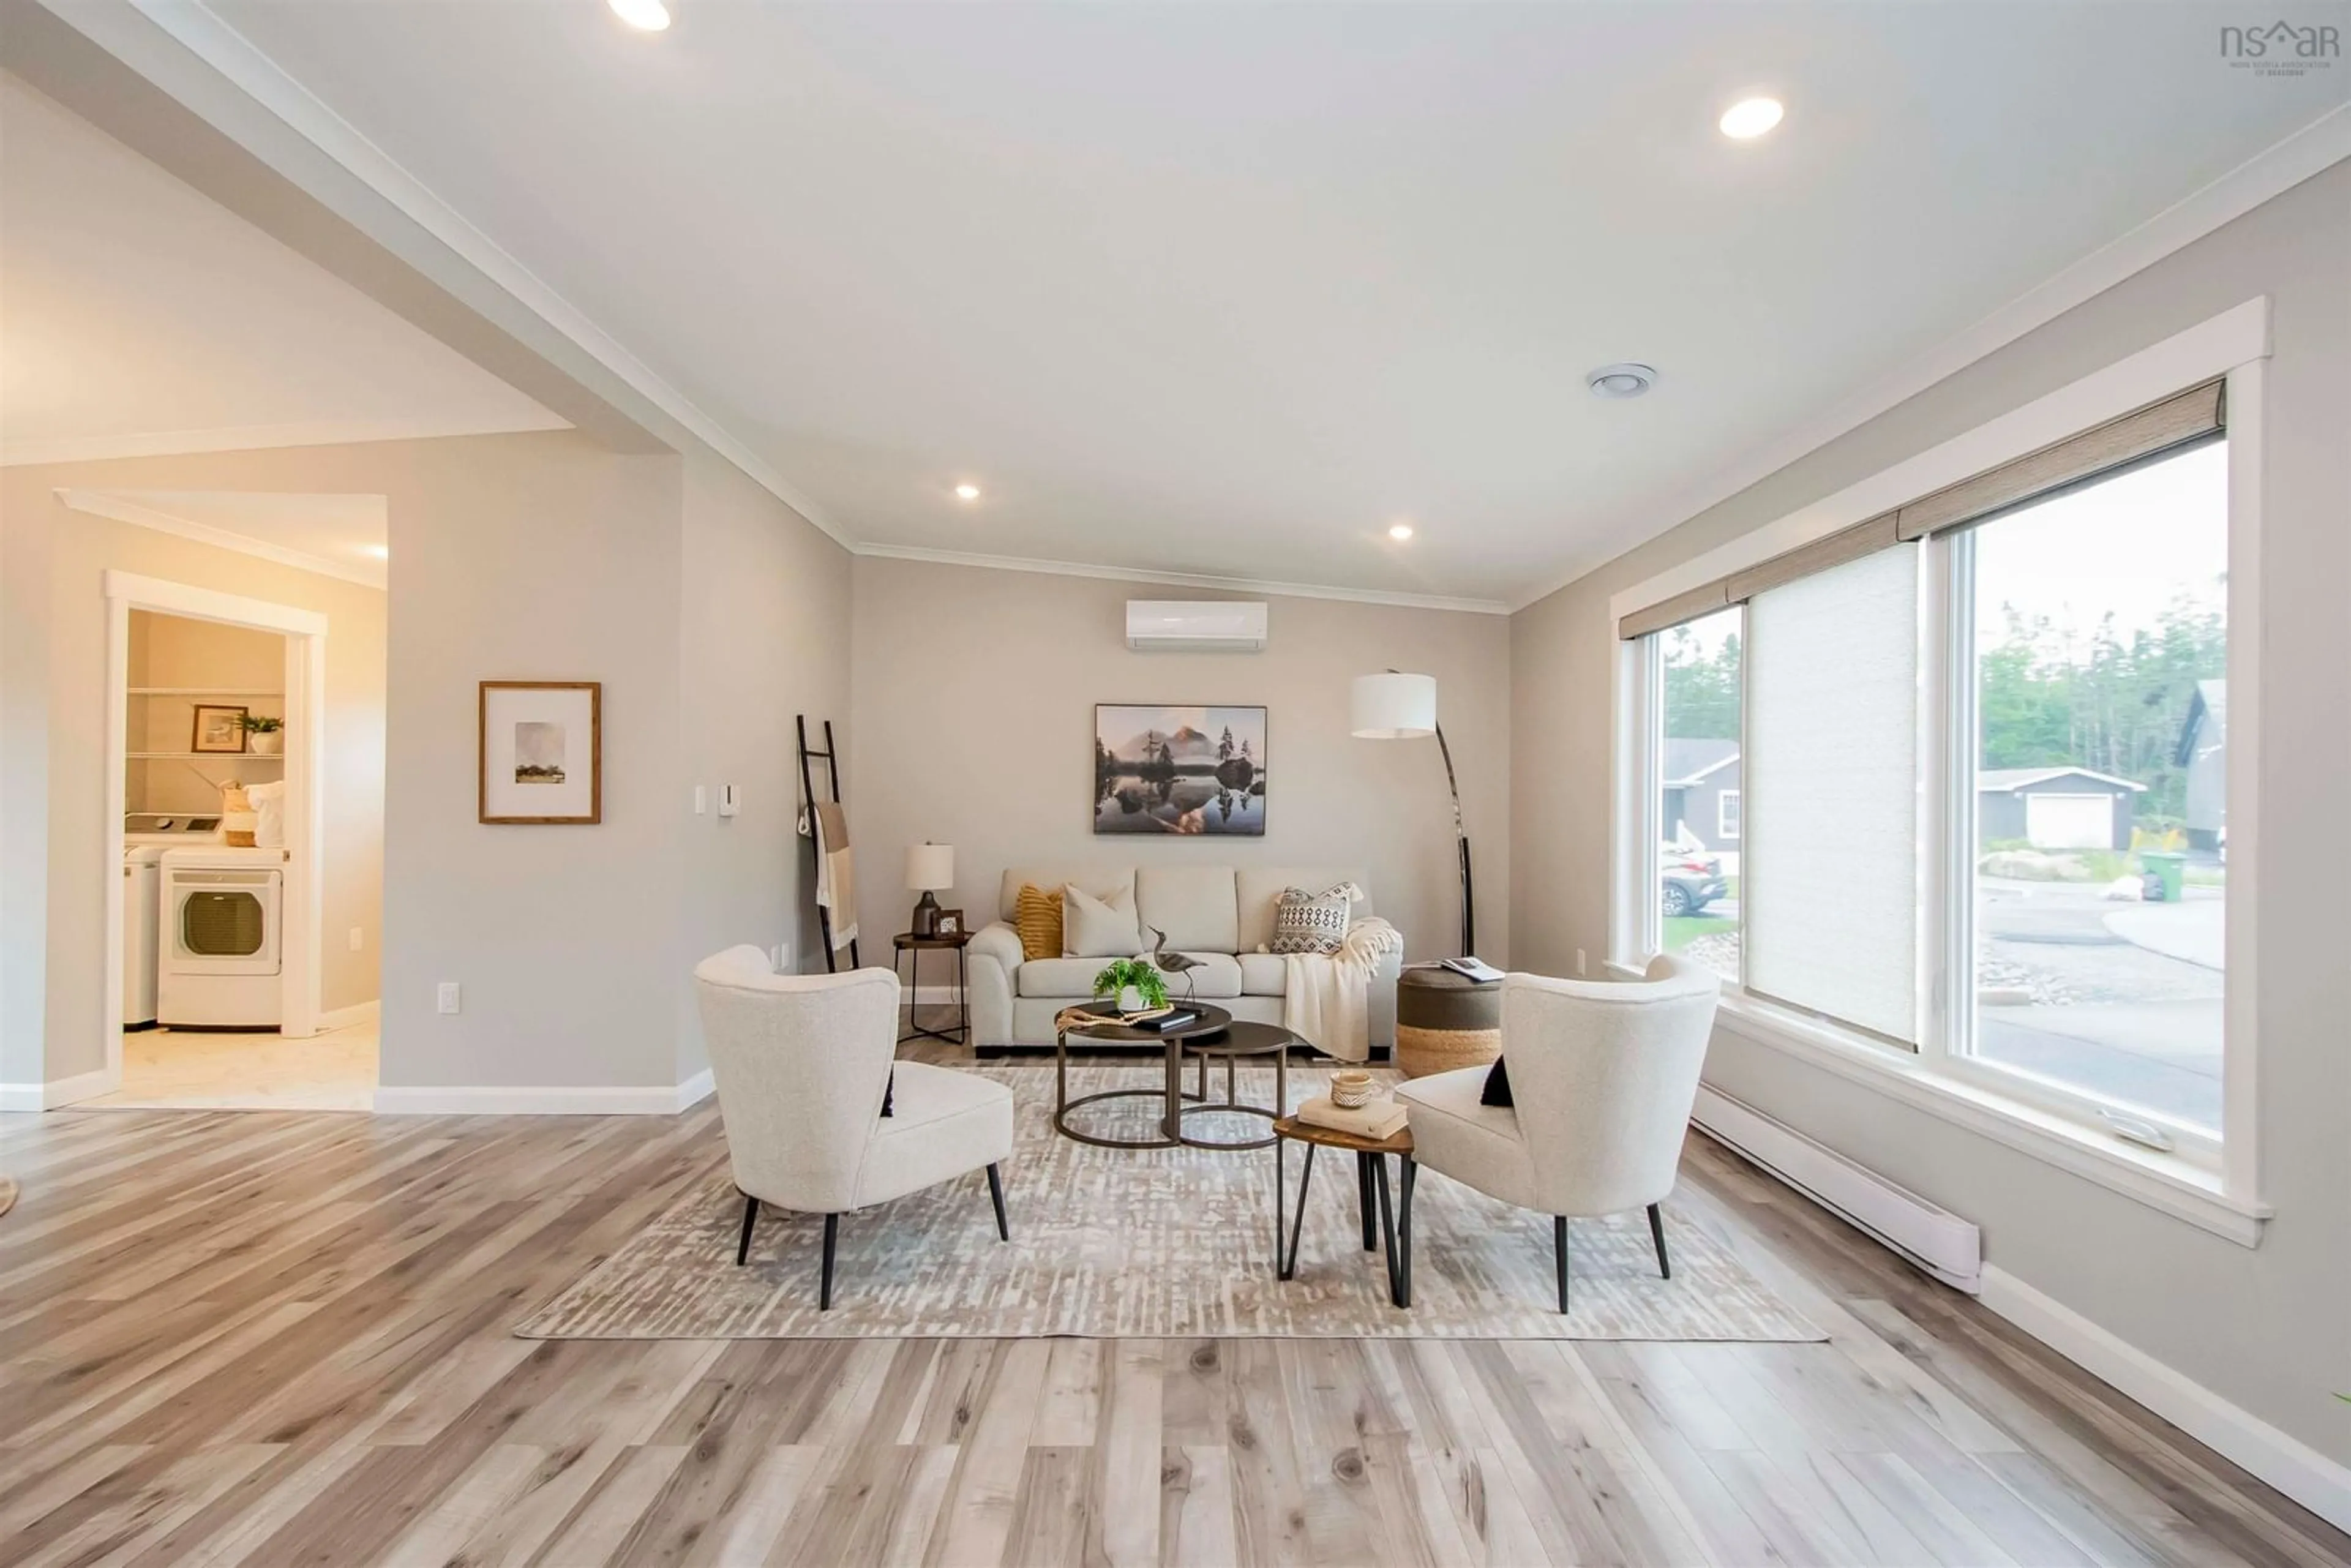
<point x="2070" y="822"/>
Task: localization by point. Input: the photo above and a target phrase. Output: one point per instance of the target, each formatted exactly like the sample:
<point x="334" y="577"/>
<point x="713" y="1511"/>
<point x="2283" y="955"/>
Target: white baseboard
<point x="561" y="1099"/>
<point x="57" y="1094"/>
<point x="2284" y="1461"/>
<point x="1946" y="1246"/>
<point x="343" y="1018"/>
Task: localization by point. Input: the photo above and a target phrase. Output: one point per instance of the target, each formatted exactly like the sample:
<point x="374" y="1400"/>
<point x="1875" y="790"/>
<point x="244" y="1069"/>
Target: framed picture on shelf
<point x="218" y="727"/>
<point x="542" y="751"/>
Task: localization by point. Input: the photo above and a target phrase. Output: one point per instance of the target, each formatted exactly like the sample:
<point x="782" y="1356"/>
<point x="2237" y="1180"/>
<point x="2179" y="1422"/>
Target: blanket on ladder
<point x="1323" y="998"/>
<point x="836" y="875"/>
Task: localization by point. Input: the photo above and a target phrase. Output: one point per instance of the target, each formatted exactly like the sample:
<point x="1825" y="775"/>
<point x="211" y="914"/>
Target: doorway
<point x="216" y="763"/>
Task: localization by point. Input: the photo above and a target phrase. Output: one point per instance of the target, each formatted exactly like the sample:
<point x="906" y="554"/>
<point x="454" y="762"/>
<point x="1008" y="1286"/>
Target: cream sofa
<point x="1220" y="914"/>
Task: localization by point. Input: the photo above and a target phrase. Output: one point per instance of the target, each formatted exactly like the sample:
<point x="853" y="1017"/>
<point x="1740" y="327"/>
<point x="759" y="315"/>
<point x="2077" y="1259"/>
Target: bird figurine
<point x="1172" y="963"/>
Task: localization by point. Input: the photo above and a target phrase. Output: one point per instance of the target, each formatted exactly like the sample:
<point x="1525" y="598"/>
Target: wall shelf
<point x="199" y="756"/>
<point x="201" y="691"/>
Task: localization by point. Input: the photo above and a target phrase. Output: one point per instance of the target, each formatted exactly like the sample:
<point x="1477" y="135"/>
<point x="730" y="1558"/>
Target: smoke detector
<point x="1621" y="381"/>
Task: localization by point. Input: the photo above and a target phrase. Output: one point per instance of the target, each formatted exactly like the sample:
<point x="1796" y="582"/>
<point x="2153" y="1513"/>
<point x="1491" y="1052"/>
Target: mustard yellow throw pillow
<point x="1037" y="915"/>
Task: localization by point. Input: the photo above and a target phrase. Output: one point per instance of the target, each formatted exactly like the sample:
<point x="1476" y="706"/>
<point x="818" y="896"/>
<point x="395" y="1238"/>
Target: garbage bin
<point x="2166" y="874"/>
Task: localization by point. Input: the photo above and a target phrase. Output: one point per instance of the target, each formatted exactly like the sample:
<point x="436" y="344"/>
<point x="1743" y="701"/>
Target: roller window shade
<point x="2156" y="430"/>
<point x="1829" y="874"/>
<point x="2159" y="428"/>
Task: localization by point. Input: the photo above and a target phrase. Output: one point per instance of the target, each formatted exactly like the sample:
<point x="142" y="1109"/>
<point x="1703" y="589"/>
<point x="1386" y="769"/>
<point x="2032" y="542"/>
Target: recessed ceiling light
<point x="644" y="16"/>
<point x="967" y="492"/>
<point x="381" y="552"/>
<point x="1621" y="381"/>
<point x="1747" y="118"/>
<point x="1400" y="532"/>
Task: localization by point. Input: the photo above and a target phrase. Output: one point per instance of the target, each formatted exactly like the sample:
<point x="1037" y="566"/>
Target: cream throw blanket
<point x="1324" y="995"/>
<point x="836" y="873"/>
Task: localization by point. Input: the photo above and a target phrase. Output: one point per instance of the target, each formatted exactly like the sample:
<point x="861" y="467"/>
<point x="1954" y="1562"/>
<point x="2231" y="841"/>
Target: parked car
<point x="1689" y="882"/>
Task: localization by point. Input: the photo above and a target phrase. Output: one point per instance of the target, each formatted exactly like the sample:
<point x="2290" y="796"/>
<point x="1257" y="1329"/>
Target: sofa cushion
<point x="1192" y="904"/>
<point x="1264" y="975"/>
<point x="1258" y="889"/>
<point x="1099" y="927"/>
<point x="1454" y="1132"/>
<point x="1218" y="978"/>
<point x="1064" y="977"/>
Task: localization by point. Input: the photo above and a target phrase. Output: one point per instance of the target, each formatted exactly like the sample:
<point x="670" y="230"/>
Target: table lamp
<point x="929" y="868"/>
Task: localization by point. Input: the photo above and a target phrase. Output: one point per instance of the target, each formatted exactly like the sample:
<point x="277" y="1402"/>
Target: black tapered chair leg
<point x="824" y="1281"/>
<point x="996" y="1195"/>
<point x="1559" y="1248"/>
<point x="1658" y="1235"/>
<point x="750" y="1218"/>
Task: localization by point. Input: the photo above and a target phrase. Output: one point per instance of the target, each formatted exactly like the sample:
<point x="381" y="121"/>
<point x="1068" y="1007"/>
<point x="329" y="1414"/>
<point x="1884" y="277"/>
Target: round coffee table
<point x="1213" y="1020"/>
<point x="1239" y="1040"/>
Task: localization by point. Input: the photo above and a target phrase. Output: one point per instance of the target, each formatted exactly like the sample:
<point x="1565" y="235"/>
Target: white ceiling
<point x="142" y="318"/>
<point x="1228" y="289"/>
<point x="343" y="534"/>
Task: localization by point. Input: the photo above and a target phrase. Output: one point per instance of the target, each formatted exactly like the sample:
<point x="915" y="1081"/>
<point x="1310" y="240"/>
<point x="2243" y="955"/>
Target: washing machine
<point x="219" y="937"/>
<point x="145" y="836"/>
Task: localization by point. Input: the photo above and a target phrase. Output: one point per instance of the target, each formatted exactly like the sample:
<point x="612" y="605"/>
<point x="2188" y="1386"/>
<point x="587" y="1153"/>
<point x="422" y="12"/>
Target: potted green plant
<point x="263" y="734"/>
<point x="1134" y="982"/>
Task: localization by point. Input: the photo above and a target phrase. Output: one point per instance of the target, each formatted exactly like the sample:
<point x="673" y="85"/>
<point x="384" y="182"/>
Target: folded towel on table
<point x="1382" y="1118"/>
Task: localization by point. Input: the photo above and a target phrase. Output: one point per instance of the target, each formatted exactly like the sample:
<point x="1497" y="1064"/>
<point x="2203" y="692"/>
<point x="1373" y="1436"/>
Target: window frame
<point x="2211" y="1181"/>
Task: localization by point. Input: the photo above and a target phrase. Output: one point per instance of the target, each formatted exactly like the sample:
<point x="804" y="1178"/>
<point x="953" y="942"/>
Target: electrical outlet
<point x="1579" y="961"/>
<point x="359" y="937"/>
<point x="727" y="800"/>
<point x="701" y="799"/>
<point x="782" y="955"/>
<point x="449" y="999"/>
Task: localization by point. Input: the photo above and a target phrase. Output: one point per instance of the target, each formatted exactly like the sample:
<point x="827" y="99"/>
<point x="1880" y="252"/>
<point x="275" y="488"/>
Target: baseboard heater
<point x="1940" y="1242"/>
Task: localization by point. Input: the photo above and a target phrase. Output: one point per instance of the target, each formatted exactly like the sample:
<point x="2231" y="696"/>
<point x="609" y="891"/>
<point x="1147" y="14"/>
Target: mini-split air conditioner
<point x="1195" y="625"/>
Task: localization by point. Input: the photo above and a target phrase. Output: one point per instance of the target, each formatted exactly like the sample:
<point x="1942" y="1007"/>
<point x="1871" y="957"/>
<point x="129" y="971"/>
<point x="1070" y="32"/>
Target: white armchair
<point x="802" y="1063"/>
<point x="1602" y="1077"/>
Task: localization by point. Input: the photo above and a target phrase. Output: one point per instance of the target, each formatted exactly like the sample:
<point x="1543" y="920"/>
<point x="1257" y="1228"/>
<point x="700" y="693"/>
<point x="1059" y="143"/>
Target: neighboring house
<point x="2055" y="808"/>
<point x="2204" y="752"/>
<point x="1701" y="794"/>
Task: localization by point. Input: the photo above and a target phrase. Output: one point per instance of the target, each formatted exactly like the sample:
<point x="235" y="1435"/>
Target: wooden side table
<point x="1370" y="1189"/>
<point x="906" y="942"/>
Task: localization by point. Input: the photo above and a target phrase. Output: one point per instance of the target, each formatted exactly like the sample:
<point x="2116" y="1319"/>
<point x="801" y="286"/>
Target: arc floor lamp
<point x="1398" y="707"/>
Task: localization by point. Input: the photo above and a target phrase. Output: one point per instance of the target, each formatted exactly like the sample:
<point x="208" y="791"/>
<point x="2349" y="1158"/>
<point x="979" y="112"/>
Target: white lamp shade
<point x="930" y="867"/>
<point x="1394" y="708"/>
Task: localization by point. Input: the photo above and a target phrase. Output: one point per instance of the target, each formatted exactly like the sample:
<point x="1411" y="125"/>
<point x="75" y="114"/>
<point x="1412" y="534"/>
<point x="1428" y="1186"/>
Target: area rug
<point x="1164" y="1243"/>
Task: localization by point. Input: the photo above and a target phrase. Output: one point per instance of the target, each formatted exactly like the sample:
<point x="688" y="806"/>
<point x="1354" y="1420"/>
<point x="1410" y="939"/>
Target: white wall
<point x="764" y="635"/>
<point x="973" y="699"/>
<point x="2268" y="1329"/>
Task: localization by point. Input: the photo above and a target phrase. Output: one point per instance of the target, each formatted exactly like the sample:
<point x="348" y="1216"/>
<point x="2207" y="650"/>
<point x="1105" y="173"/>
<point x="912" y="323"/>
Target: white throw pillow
<point x="1307" y="922"/>
<point x="1099" y="927"/>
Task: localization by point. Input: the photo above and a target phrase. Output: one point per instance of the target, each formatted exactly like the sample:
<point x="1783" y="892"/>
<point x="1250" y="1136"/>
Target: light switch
<point x="448" y="997"/>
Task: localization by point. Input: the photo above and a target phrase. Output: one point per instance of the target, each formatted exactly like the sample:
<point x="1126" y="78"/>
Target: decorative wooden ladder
<point x="808" y="794"/>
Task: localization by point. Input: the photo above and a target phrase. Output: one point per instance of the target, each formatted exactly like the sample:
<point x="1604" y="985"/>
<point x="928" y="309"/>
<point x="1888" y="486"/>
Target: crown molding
<point x="256" y="438"/>
<point x="2272" y="172"/>
<point x="209" y="37"/>
<point x="1184" y="579"/>
<point x="98" y="504"/>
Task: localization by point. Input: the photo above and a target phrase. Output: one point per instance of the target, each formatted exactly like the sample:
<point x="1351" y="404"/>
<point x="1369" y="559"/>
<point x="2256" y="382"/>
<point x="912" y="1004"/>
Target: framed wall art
<point x="1162" y="768"/>
<point x="542" y="751"/>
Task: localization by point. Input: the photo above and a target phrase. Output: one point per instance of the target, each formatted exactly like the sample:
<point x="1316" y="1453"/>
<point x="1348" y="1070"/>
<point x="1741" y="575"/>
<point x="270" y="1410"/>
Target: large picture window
<point x="1953" y="782"/>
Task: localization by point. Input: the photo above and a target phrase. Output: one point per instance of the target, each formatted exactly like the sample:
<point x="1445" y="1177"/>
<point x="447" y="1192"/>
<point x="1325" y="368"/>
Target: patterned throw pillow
<point x="1037" y="915"/>
<point x="1307" y="922"/>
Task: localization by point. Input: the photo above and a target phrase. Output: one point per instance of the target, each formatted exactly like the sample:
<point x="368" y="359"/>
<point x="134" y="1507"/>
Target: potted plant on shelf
<point x="263" y="734"/>
<point x="1134" y="982"/>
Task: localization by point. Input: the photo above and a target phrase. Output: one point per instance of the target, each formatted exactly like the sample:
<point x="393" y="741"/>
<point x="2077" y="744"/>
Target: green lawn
<point x="1681" y="930"/>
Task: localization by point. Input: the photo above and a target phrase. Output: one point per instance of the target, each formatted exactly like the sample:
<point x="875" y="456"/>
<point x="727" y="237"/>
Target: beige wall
<point x="973" y="697"/>
<point x="76" y="550"/>
<point x="2263" y="1328"/>
<point x="764" y="636"/>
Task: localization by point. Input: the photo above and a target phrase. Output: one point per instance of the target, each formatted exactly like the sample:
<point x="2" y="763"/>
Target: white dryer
<point x="220" y="938"/>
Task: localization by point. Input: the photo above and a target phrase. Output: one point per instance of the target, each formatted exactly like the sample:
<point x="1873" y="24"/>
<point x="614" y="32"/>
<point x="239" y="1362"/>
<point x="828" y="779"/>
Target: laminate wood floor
<point x="280" y="1338"/>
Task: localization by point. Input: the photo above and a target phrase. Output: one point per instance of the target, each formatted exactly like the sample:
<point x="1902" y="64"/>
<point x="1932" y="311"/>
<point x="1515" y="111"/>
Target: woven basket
<point x="1421" y="1051"/>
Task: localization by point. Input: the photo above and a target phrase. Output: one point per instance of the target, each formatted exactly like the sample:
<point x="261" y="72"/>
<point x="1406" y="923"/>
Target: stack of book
<point x="1382" y="1118"/>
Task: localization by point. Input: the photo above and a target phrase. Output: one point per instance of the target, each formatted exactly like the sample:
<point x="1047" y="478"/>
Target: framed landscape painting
<point x="542" y="746"/>
<point x="1172" y="769"/>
